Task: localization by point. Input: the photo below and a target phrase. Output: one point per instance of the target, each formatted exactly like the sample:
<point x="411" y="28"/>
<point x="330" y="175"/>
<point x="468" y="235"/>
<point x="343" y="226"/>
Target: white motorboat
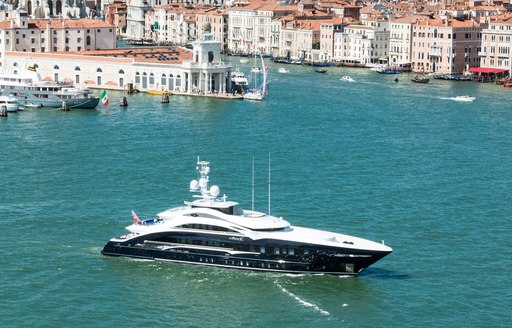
<point x="9" y="102"/>
<point x="31" y="91"/>
<point x="464" y="98"/>
<point x="283" y="70"/>
<point x="214" y="231"/>
<point x="347" y="78"/>
<point x="238" y="81"/>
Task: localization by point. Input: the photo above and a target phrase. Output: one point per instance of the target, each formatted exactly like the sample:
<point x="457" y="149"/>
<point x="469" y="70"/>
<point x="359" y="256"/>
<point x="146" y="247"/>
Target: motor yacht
<point x="31" y="91"/>
<point x="214" y="231"/>
<point x="347" y="78"/>
<point x="9" y="102"/>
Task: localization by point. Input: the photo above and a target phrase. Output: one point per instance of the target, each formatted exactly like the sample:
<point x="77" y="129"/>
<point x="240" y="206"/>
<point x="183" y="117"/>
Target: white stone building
<point x="200" y="71"/>
<point x="496" y="48"/>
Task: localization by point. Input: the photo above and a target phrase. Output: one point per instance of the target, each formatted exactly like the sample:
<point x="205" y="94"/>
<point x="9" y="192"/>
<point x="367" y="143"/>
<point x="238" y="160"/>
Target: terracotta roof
<point x="164" y="55"/>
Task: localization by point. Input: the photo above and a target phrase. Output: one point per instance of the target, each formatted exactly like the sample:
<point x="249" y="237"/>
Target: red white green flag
<point x="104" y="98"/>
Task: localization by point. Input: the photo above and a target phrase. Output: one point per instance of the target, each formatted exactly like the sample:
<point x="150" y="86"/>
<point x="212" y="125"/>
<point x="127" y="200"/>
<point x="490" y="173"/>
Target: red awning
<point x="487" y="70"/>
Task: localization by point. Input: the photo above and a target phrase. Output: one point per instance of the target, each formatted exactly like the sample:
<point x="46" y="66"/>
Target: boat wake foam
<point x="301" y="301"/>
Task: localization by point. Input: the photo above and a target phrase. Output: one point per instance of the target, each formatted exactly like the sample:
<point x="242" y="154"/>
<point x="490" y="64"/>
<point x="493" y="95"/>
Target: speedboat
<point x="212" y="230"/>
<point x="283" y="70"/>
<point x="347" y="78"/>
<point x="9" y="102"/>
<point x="464" y="98"/>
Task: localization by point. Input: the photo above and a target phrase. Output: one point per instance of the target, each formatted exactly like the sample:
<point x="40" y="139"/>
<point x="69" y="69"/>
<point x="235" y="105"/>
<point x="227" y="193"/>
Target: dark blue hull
<point x="276" y="256"/>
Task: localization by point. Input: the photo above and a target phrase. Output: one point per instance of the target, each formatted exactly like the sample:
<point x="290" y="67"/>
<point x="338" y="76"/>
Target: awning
<point x="487" y="70"/>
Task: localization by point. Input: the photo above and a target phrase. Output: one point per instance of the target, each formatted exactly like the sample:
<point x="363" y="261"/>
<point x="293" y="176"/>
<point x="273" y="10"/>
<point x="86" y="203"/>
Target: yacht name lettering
<point x="237" y="238"/>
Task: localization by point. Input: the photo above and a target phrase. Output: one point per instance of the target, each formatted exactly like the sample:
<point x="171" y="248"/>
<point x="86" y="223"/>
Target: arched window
<point x="98" y="70"/>
<point x="163" y="80"/>
<point x="77" y="68"/>
<point x="15" y="64"/>
<point x="55" y="67"/>
<point x="137" y="77"/>
<point x="121" y="71"/>
<point x="36" y="66"/>
<point x="151" y="79"/>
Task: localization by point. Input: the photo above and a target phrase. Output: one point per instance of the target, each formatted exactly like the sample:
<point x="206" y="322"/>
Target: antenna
<point x="268" y="183"/>
<point x="252" y="184"/>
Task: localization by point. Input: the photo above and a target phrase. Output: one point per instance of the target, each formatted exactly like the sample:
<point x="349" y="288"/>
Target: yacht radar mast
<point x="203" y="169"/>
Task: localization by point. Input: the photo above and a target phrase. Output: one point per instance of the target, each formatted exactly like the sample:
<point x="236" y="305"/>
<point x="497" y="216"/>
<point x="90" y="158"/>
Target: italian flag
<point x="104" y="98"/>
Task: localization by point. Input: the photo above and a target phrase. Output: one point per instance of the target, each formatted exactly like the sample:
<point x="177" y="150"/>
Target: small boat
<point x="347" y="78"/>
<point x="420" y="79"/>
<point x="32" y="105"/>
<point x="256" y="69"/>
<point x="389" y="71"/>
<point x="9" y="102"/>
<point x="158" y="92"/>
<point x="321" y="70"/>
<point x="244" y="61"/>
<point x="211" y="230"/>
<point x="283" y="70"/>
<point x="464" y="98"/>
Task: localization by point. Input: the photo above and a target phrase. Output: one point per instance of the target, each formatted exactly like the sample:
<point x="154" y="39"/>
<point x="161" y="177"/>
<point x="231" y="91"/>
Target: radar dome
<point x="194" y="185"/>
<point x="214" y="191"/>
<point x="203" y="183"/>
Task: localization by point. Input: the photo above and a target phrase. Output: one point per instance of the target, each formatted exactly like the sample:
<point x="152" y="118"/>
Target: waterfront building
<point x="400" y="39"/>
<point x="200" y="71"/>
<point x="377" y="42"/>
<point x="497" y="43"/>
<point x="448" y="46"/>
<point x="300" y="40"/>
<point x="327" y="30"/>
<point x="253" y="28"/>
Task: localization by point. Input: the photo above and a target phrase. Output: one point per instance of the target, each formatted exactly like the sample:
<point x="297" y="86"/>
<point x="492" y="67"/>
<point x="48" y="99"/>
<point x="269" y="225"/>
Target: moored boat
<point x="9" y="102"/>
<point x="214" y="231"/>
<point x="31" y="91"/>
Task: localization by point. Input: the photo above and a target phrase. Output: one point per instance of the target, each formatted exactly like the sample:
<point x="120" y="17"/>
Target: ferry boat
<point x="32" y="91"/>
<point x="215" y="231"/>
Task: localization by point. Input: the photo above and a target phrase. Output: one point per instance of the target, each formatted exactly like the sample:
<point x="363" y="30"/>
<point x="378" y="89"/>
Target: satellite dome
<point x="214" y="191"/>
<point x="194" y="185"/>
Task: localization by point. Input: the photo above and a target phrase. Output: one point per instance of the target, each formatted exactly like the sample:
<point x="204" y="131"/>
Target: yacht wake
<point x="301" y="301"/>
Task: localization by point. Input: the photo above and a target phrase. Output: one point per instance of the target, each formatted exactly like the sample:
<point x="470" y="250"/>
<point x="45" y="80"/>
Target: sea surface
<point x="388" y="161"/>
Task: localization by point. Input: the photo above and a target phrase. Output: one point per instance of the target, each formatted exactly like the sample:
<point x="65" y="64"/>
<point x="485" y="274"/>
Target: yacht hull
<point x="318" y="260"/>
